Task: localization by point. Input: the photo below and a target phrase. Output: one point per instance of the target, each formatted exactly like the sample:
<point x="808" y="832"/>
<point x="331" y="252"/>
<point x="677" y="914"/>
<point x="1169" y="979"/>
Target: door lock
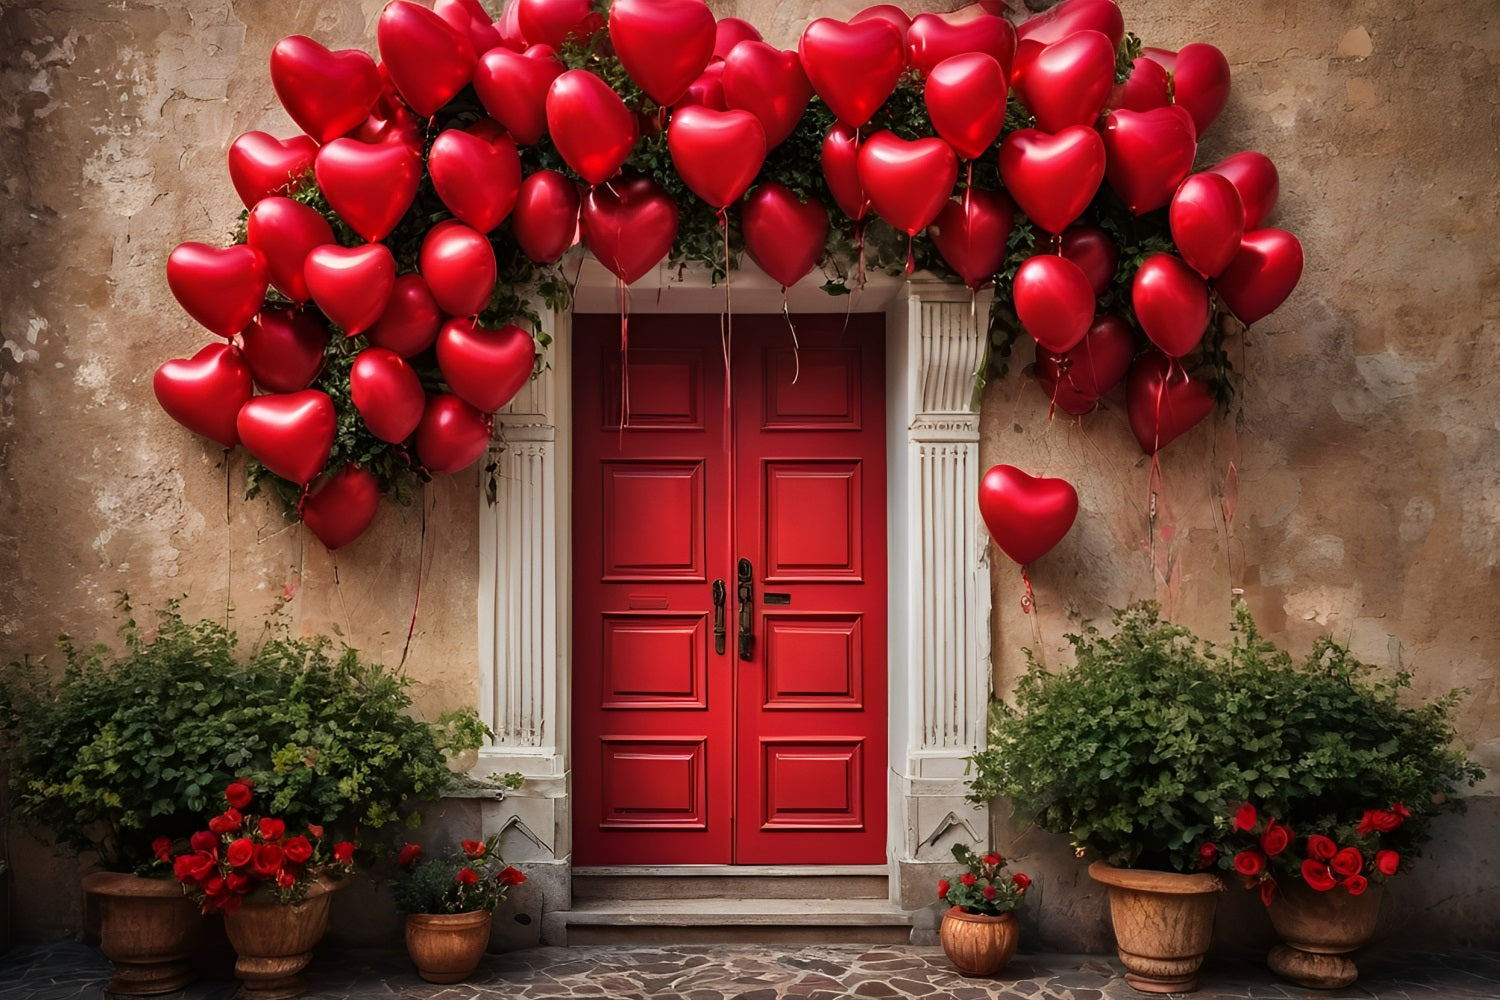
<point x="746" y="594"/>
<point x="719" y="595"/>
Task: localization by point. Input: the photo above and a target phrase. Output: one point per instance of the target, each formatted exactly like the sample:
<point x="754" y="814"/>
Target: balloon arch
<point x="375" y="308"/>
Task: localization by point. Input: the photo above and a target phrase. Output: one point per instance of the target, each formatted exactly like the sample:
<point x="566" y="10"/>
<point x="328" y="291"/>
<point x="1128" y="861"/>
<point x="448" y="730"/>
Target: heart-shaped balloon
<point x="1027" y="515"/>
<point x="708" y="90"/>
<point x="1146" y="88"/>
<point x="1052" y="177"/>
<point x="1077" y="378"/>
<point x="341" y="506"/>
<point x="261" y="165"/>
<point x="629" y="226"/>
<point x="370" y="187"/>
<point x="1065" y="19"/>
<point x="885" y="12"/>
<point x="468" y="17"/>
<point x="1254" y="178"/>
<point x="907" y="182"/>
<point x="1163" y="403"/>
<point x="477" y="179"/>
<point x="545" y="222"/>
<point x="784" y="235"/>
<point x="204" y="393"/>
<point x="1200" y="83"/>
<point x="352" y="285"/>
<point x="591" y="127"/>
<point x="933" y="38"/>
<point x="485" y="368"/>
<point x="452" y="434"/>
<point x="729" y="32"/>
<point x="1207" y="220"/>
<point x="1093" y="250"/>
<point x="508" y="26"/>
<point x="459" y="265"/>
<point x="971" y="232"/>
<point x="853" y="67"/>
<point x="1069" y="81"/>
<point x="220" y="288"/>
<point x="770" y="84"/>
<point x="663" y="44"/>
<point x="965" y="97"/>
<point x="411" y="318"/>
<point x="427" y="60"/>
<point x="325" y="93"/>
<point x="387" y="394"/>
<point x="1262" y="275"/>
<point x="1054" y="301"/>
<point x="552" y="22"/>
<point x="513" y="87"/>
<point x="285" y="231"/>
<point x="717" y="153"/>
<point x="840" y="162"/>
<point x="284" y="349"/>
<point x="1171" y="303"/>
<point x="1148" y="155"/>
<point x="290" y="434"/>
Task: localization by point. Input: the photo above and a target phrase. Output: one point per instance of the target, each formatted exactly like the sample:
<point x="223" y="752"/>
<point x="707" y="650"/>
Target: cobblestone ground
<point x="67" y="970"/>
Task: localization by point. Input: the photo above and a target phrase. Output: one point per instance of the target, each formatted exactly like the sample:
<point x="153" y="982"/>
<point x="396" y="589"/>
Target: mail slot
<point x="770" y="598"/>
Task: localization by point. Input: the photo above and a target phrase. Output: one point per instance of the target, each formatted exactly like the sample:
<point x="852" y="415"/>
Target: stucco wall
<point x="1365" y="436"/>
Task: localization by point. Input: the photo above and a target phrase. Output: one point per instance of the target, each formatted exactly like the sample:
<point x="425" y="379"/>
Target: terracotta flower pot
<point x="979" y="944"/>
<point x="274" y="941"/>
<point x="447" y="947"/>
<point x="1319" y="930"/>
<point x="1163" y="922"/>
<point x="148" y="929"/>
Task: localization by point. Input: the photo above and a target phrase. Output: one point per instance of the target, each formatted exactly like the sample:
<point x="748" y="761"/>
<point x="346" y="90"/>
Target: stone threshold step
<point x="724" y="881"/>
<point x="730" y="920"/>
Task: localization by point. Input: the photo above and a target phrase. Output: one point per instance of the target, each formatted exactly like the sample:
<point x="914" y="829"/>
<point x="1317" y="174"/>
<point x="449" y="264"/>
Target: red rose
<point x="967" y="878"/>
<point x="1320" y="848"/>
<point x="1400" y="810"/>
<point x="1207" y="854"/>
<point x="237" y="794"/>
<point x="204" y="841"/>
<point x="989" y="892"/>
<point x="467" y="876"/>
<point x="240" y="853"/>
<point x="1356" y="884"/>
<point x="239" y="884"/>
<point x="1244" y="818"/>
<point x="1316" y="875"/>
<point x="513" y="876"/>
<point x="271" y="828"/>
<point x="297" y="850"/>
<point x="1276" y="839"/>
<point x="408" y="855"/>
<point x="285" y="879"/>
<point x="943" y="887"/>
<point x="215" y="888"/>
<point x="161" y="847"/>
<point x="183" y="868"/>
<point x="267" y="860"/>
<point x="993" y="859"/>
<point x="1267" y="891"/>
<point x="343" y="852"/>
<point x="1249" y="862"/>
<point x="1347" y="862"/>
<point x="1021" y="881"/>
<point x="1387" y="862"/>
<point x="226" y="822"/>
<point x="473" y="848"/>
<point x="315" y="831"/>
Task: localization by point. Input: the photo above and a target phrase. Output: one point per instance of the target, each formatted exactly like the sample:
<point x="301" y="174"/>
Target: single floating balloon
<point x="1026" y="515"/>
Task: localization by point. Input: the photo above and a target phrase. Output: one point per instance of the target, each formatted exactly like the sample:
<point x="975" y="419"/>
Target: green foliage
<point x="983" y="887"/>
<point x="463" y="879"/>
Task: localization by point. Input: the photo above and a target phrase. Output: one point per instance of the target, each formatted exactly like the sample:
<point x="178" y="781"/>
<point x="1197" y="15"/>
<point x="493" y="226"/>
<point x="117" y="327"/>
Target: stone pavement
<point x="68" y="970"/>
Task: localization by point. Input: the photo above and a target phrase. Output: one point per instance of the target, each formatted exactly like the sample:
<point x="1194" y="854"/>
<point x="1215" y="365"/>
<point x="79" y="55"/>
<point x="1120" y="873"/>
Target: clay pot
<point x="274" y="941"/>
<point x="148" y="929"/>
<point x="446" y="947"/>
<point x="979" y="944"/>
<point x="1163" y="924"/>
<point x="1319" y="930"/>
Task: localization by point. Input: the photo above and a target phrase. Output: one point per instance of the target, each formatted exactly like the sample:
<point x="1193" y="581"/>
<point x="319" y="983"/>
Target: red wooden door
<point x="770" y="747"/>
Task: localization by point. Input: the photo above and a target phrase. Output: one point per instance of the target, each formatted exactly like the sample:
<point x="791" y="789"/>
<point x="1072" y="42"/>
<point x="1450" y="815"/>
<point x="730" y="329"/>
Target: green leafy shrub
<point x="466" y="878"/>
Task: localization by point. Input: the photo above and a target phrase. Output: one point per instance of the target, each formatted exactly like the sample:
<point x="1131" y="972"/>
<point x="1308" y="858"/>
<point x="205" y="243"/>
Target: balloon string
<point x="1028" y="599"/>
<point x="1153" y="484"/>
<point x="911" y="260"/>
<point x="416" y="601"/>
<point x="726" y="330"/>
<point x="229" y="546"/>
<point x="786" y="311"/>
<point x="968" y="186"/>
<point x="859" y="247"/>
<point x="624" y="356"/>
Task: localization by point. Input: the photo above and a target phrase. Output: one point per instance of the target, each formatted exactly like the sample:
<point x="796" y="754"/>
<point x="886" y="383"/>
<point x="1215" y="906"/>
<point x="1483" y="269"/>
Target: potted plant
<point x="449" y="899"/>
<point x="979" y="931"/>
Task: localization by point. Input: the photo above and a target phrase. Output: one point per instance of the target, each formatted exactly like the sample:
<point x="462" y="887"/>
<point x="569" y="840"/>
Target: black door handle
<point x="746" y="594"/>
<point x="719" y="595"/>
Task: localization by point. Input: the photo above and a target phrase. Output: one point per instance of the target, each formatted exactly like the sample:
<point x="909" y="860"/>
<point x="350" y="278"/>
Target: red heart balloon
<point x="387" y="394"/>
<point x="427" y="60"/>
<point x="885" y="12"/>
<point x="370" y="187"/>
<point x="907" y="182"/>
<point x="204" y="393"/>
<point x="932" y="38"/>
<point x="770" y="84"/>
<point x="284" y="349"/>
<point x="1207" y="220"/>
<point x="477" y="179"/>
<point x="784" y="235"/>
<point x="971" y="233"/>
<point x="1144" y="89"/>
<point x="341" y="506"/>
<point x="1054" y="301"/>
<point x="1254" y="178"/>
<point x="469" y="18"/>
<point x="1171" y="304"/>
<point x="285" y="231"/>
<point x="1092" y="249"/>
<point x="261" y="165"/>
<point x="1162" y="402"/>
<point x="325" y="93"/>
<point x="629" y="226"/>
<point x="1200" y="83"/>
<point x="729" y="32"/>
<point x="853" y="67"/>
<point x="552" y="22"/>
<point x="545" y="222"/>
<point x="708" y="90"/>
<point x="352" y="285"/>
<point x="840" y="161"/>
<point x="1067" y="18"/>
<point x="459" y="265"/>
<point x="663" y="44"/>
<point x="1078" y="377"/>
<point x="1165" y="58"/>
<point x="452" y="434"/>
<point x="409" y="324"/>
<point x="1070" y="81"/>
<point x="220" y="288"/>
<point x="508" y="25"/>
<point x="1052" y="177"/>
<point x="513" y="89"/>
<point x="1027" y="515"/>
<point x="1148" y="155"/>
<point x="591" y="127"/>
<point x="965" y="97"/>
<point x="717" y="153"/>
<point x="1262" y="274"/>
<point x="290" y="434"/>
<point x="485" y="368"/>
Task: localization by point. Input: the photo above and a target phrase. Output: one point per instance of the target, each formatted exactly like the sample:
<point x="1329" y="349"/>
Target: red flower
<point x="967" y="878"/>
<point x="239" y="884"/>
<point x="467" y="876"/>
<point x="343" y="852"/>
<point x="1356" y="884"/>
<point x="993" y="860"/>
<point x="1401" y="810"/>
<point x="1316" y="875"/>
<point x="1320" y="848"/>
<point x="240" y="853"/>
<point x="1275" y="839"/>
<point x="1347" y="862"/>
<point x="1387" y="862"/>
<point x="1021" y="881"/>
<point x="271" y="829"/>
<point x="1207" y="854"/>
<point x="193" y="868"/>
<point x="226" y="822"/>
<point x="297" y="850"/>
<point x="1244" y="818"/>
<point x="989" y="892"/>
<point x="408" y="855"/>
<point x="285" y="879"/>
<point x="267" y="860"/>
<point x="238" y="794"/>
<point x="513" y="876"/>
<point x="204" y="841"/>
<point x="161" y="847"/>
<point x="1249" y="862"/>
<point x="943" y="887"/>
<point x="473" y="848"/>
<point x="315" y="831"/>
<point x="1267" y="891"/>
